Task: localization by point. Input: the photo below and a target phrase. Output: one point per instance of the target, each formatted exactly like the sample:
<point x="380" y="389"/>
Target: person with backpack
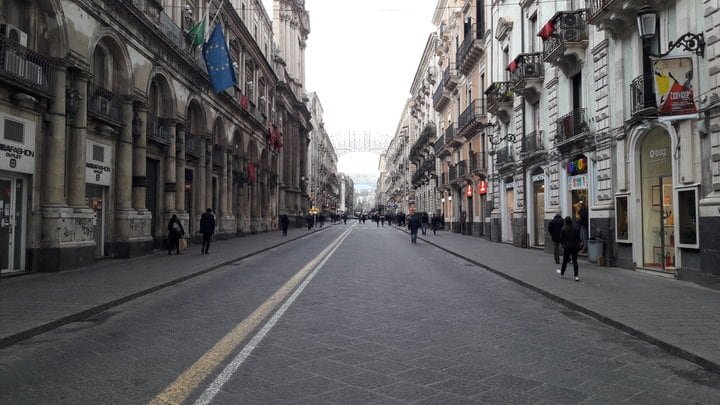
<point x="175" y="232"/>
<point x="207" y="229"/>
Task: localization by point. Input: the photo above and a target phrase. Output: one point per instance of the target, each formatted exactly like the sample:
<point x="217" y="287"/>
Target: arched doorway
<point x="508" y="209"/>
<point x="657" y="202"/>
<point x="537" y="215"/>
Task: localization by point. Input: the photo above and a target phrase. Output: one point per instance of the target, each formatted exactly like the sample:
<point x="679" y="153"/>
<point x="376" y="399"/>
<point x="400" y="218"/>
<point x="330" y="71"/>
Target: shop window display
<point x="687" y="218"/>
<point x="622" y="227"/>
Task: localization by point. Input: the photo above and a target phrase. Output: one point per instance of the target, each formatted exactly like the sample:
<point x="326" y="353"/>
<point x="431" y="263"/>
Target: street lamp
<point x="496" y="139"/>
<point x="647" y="23"/>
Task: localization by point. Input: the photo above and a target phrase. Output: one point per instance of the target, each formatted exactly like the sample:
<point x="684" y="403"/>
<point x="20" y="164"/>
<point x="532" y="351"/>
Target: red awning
<point x="513" y="65"/>
<point x="547" y="30"/>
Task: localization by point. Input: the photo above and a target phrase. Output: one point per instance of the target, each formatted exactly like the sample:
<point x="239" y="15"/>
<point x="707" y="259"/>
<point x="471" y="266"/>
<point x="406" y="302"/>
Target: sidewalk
<point x="35" y="303"/>
<point x="678" y="316"/>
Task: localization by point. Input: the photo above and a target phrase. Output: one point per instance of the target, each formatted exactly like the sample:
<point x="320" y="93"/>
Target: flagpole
<point x="216" y="15"/>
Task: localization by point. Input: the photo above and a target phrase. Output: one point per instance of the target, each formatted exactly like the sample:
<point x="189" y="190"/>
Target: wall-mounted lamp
<point x="647" y="23"/>
<point x="494" y="139"/>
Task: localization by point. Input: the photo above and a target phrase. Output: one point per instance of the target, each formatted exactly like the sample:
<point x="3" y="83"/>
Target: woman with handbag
<point x="175" y="232"/>
<point x="570" y="239"/>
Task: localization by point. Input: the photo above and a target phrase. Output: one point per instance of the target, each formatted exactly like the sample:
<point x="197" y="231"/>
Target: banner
<point x="674" y="89"/>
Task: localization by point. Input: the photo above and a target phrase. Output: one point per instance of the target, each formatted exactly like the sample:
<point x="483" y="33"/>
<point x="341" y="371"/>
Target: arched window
<point x="101" y="68"/>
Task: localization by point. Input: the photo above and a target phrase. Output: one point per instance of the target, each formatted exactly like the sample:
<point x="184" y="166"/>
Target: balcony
<point x="470" y="51"/>
<point x="618" y="16"/>
<point x="503" y="157"/>
<point x="444" y="180"/>
<point x="450" y="78"/>
<point x="218" y="157"/>
<point x="532" y="143"/>
<point x="194" y="145"/>
<point x="157" y="130"/>
<point x="463" y="169"/>
<point x="441" y="98"/>
<point x="527" y="76"/>
<point x="25" y="69"/>
<point x="571" y="125"/>
<point x="440" y="147"/>
<point x="567" y="41"/>
<point x="103" y="104"/>
<point x="172" y="32"/>
<point x="453" y="174"/>
<point x="478" y="163"/>
<point x="500" y="100"/>
<point x="451" y="137"/>
<point x="642" y="97"/>
<point x="472" y="119"/>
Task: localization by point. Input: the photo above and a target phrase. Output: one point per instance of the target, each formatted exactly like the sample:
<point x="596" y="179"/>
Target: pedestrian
<point x="310" y="220"/>
<point x="570" y="239"/>
<point x="555" y="228"/>
<point x="434" y="224"/>
<point x="424" y="219"/>
<point x="284" y="223"/>
<point x="207" y="229"/>
<point x="584" y="225"/>
<point x="321" y="219"/>
<point x="344" y="217"/>
<point x="413" y="225"/>
<point x="175" y="232"/>
<point x="382" y="220"/>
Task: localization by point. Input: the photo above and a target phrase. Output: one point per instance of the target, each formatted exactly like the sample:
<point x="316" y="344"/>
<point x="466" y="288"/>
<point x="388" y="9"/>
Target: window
<point x="14" y="131"/>
<point x="687" y="206"/>
<point x="98" y="153"/>
<point x="622" y="229"/>
<point x="532" y="34"/>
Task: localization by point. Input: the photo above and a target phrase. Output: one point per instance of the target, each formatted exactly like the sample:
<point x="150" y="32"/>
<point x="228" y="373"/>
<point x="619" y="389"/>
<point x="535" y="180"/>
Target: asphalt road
<point x="373" y="319"/>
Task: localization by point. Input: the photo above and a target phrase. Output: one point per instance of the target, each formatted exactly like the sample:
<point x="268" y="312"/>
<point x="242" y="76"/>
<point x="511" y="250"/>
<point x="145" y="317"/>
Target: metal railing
<point x="157" y="130"/>
<point x="172" y="32"/>
<point x="529" y="66"/>
<point x="453" y="173"/>
<point x="104" y="103"/>
<point x="467" y="44"/>
<point x="532" y="142"/>
<point x="571" y="125"/>
<point x="597" y="6"/>
<point x="499" y="92"/>
<point x="475" y="110"/>
<point x="193" y="144"/>
<point x="218" y="157"/>
<point x="438" y="94"/>
<point x="150" y="8"/>
<point x="449" y="134"/>
<point x="24" y="66"/>
<point x="462" y="168"/>
<point x="642" y="93"/>
<point x="503" y="156"/>
<point x="439" y="144"/>
<point x="570" y="26"/>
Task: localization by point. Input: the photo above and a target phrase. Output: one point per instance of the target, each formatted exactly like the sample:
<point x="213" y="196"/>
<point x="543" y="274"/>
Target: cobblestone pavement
<point x="383" y="321"/>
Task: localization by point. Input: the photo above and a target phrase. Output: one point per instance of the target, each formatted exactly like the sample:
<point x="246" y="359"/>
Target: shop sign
<point x="97" y="168"/>
<point x="674" y="89"/>
<point x="482" y="187"/>
<point x="538" y="178"/>
<point x="19" y="156"/>
<point x="469" y="191"/>
<point x="579" y="166"/>
<point x="509" y="185"/>
<point x="579" y="182"/>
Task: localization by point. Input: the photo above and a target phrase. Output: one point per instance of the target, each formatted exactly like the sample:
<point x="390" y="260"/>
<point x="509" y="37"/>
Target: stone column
<point x="55" y="143"/>
<point x="222" y="184"/>
<point x="124" y="164"/>
<point x="77" y="144"/>
<point x="208" y="175"/>
<point x="230" y="189"/>
<point x="170" y="169"/>
<point x="139" y="163"/>
<point x="199" y="182"/>
<point x="180" y="169"/>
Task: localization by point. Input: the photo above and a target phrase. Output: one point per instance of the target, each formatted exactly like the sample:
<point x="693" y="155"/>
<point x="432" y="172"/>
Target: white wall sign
<point x="538" y="177"/>
<point x="17" y="145"/>
<point x="579" y="182"/>
<point x="97" y="164"/>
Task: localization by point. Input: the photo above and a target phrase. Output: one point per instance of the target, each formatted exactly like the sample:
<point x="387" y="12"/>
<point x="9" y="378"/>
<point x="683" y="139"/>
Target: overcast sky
<point x="361" y="60"/>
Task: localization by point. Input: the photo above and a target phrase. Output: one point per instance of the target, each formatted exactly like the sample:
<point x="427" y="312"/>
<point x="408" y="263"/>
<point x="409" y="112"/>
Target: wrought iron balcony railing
<point x="642" y="95"/>
<point x="472" y="118"/>
<point x="104" y="104"/>
<point x="571" y="125"/>
<point x="218" y="156"/>
<point x="25" y="68"/>
<point x="529" y="66"/>
<point x="570" y="27"/>
<point x="193" y="144"/>
<point x="462" y="168"/>
<point x="449" y="134"/>
<point x="478" y="162"/>
<point x="157" y="130"/>
<point x="499" y="93"/>
<point x="503" y="156"/>
<point x="468" y="53"/>
<point x="439" y="144"/>
<point x="453" y="174"/>
<point x="532" y="142"/>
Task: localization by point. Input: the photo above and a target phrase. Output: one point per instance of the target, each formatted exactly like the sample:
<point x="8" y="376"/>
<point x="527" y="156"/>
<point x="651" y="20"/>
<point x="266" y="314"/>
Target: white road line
<point x="231" y="368"/>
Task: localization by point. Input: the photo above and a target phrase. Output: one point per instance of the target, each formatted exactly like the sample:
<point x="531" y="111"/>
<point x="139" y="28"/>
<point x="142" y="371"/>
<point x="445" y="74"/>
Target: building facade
<point x="112" y="127"/>
<point x="324" y="182"/>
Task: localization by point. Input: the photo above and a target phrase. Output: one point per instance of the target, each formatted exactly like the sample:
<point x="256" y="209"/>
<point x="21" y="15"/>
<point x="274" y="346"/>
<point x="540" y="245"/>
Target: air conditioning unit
<point x="571" y="35"/>
<point x="530" y="69"/>
<point x="33" y="73"/>
<point x="571" y="20"/>
<point x="14" y="34"/>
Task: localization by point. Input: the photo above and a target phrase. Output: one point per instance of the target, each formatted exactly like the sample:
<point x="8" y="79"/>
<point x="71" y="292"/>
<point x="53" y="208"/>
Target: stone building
<point x="111" y="127"/>
<point x="394" y="187"/>
<point x="347" y="194"/>
<point x="324" y="182"/>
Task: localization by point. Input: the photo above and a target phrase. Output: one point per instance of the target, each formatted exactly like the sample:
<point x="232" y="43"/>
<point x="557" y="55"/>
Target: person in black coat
<point x="555" y="228"/>
<point x="207" y="229"/>
<point x="284" y="223"/>
<point x="175" y="232"/>
<point x="413" y="225"/>
<point x="570" y="239"/>
<point x="424" y="220"/>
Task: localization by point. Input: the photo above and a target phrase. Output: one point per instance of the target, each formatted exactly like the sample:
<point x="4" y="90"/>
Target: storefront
<point x="17" y="164"/>
<point x="98" y="178"/>
<point x="537" y="213"/>
<point x="508" y="211"/>
<point x="577" y="185"/>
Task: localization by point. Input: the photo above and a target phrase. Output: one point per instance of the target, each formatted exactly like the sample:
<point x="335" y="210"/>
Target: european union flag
<point x="217" y="59"/>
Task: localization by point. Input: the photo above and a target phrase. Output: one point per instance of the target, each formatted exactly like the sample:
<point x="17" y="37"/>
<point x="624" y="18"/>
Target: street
<point x="351" y="314"/>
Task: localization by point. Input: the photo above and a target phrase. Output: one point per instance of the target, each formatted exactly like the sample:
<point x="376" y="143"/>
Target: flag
<point x="217" y="59"/>
<point x="251" y="173"/>
<point x="278" y="139"/>
<point x="271" y="134"/>
<point x="244" y="102"/>
<point x="513" y="65"/>
<point x="547" y="30"/>
<point x="196" y="35"/>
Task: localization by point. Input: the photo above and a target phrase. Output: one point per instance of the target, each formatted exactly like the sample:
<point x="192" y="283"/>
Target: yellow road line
<point x="179" y="391"/>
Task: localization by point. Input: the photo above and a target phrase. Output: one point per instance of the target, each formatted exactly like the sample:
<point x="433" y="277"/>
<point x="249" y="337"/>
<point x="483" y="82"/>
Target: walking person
<point x="310" y="221"/>
<point x="175" y="232"/>
<point x="570" y="239"/>
<point x="434" y="224"/>
<point x="424" y="219"/>
<point x="584" y="225"/>
<point x="413" y="225"/>
<point x="555" y="228"/>
<point x="284" y="223"/>
<point x="207" y="229"/>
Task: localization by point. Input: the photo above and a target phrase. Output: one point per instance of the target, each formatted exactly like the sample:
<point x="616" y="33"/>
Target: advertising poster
<point x="674" y="88"/>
